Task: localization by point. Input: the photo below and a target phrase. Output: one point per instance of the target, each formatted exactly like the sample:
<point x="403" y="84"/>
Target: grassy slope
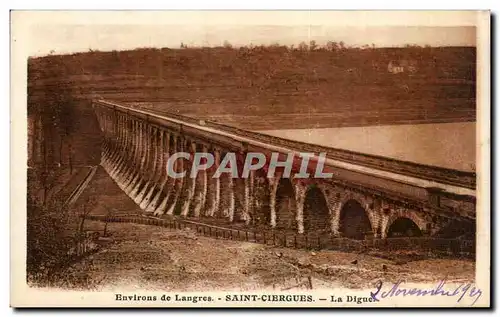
<point x="269" y="88"/>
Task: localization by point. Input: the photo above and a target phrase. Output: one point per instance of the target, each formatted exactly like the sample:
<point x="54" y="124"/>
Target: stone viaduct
<point x="368" y="196"/>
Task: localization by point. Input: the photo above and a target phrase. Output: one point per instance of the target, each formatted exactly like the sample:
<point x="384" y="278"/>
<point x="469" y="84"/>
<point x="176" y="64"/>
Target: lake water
<point x="450" y="145"/>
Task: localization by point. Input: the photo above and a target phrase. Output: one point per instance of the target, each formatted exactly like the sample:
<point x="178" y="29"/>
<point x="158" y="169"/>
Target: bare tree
<point x="303" y="46"/>
<point x="332" y="46"/>
<point x="313" y="45"/>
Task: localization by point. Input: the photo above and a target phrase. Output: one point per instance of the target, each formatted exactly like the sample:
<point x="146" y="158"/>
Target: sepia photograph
<point x="250" y="159"/>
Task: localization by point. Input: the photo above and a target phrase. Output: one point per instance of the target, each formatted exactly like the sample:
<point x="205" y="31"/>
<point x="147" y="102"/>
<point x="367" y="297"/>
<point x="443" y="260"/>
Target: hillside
<point x="273" y="87"/>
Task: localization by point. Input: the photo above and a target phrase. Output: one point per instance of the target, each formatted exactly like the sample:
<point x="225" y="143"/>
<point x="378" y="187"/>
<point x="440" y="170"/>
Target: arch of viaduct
<point x="137" y="145"/>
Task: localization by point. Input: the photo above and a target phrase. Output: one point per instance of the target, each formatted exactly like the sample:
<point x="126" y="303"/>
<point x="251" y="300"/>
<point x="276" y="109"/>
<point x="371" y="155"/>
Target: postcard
<point x="250" y="159"/>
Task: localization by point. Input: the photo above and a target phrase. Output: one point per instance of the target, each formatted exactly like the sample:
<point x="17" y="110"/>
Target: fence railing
<point x="459" y="247"/>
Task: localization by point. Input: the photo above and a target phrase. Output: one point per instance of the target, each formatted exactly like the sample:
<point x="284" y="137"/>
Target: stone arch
<point x="334" y="200"/>
<point x="401" y="213"/>
<point x="285" y="207"/>
<point x="316" y="210"/>
<point x="327" y="191"/>
<point x="366" y="202"/>
<point x="354" y="220"/>
<point x="403" y="227"/>
<point x="361" y="199"/>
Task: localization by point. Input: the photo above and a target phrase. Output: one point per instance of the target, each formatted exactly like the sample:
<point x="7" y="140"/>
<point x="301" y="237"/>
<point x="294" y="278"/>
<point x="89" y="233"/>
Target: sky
<point x="68" y="32"/>
<point x="112" y="37"/>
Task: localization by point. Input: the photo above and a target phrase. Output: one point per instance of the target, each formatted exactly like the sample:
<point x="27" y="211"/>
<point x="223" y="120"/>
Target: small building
<point x="402" y="66"/>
